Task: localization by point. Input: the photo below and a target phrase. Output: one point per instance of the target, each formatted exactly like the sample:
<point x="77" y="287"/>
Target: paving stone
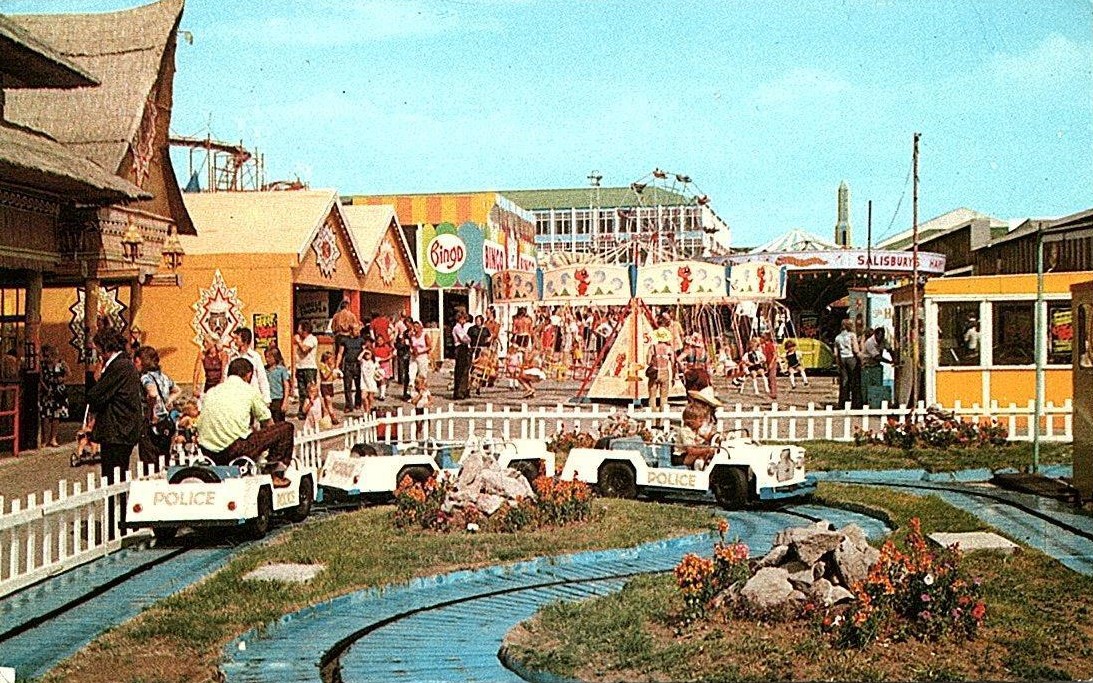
<point x="975" y="540"/>
<point x="286" y="573"/>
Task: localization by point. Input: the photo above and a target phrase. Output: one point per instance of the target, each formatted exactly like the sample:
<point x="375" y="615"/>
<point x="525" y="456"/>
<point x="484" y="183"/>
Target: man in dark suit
<point x="117" y="402"/>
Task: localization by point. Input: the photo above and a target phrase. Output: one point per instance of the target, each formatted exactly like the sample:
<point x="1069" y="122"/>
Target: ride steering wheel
<point x="247" y="467"/>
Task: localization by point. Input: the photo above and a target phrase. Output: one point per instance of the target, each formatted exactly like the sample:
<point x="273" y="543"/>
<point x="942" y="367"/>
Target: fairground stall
<point x="980" y="339"/>
<point x="270" y="260"/>
<point x="460" y="240"/>
<point x="821" y="273"/>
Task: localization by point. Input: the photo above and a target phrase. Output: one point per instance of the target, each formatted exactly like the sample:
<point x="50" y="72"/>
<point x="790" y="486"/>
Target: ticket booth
<point x="1082" y="300"/>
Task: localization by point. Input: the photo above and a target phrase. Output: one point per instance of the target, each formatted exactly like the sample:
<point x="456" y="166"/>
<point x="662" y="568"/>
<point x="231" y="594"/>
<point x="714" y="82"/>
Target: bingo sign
<point x="446" y="253"/>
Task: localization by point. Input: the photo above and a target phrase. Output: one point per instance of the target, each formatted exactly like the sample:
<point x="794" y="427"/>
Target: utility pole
<point x="914" y="280"/>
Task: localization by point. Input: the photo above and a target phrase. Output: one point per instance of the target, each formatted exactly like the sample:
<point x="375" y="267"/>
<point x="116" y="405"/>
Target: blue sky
<point x="766" y="105"/>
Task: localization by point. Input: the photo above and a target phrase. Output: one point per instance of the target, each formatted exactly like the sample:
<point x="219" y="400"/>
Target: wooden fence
<point x="78" y="521"/>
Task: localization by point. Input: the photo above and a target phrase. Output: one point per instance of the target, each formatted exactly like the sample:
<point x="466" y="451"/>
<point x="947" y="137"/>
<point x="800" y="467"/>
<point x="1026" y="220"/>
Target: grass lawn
<point x="1039" y="626"/>
<point x="179" y="639"/>
<point x="832" y="455"/>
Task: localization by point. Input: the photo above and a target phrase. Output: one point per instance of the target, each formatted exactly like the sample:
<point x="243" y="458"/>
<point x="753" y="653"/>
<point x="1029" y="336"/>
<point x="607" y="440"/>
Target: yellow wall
<point x="263" y="283"/>
<point x="346" y="273"/>
<point x="403" y="283"/>
<point x="1006" y="386"/>
<point x="1054" y="283"/>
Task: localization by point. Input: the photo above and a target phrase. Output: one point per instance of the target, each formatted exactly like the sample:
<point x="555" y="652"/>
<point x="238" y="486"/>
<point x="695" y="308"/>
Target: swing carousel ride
<point x="597" y="313"/>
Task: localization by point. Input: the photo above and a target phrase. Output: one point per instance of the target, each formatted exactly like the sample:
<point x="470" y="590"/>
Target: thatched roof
<point x="124" y="51"/>
<point x="35" y="160"/>
<point x="26" y="62"/>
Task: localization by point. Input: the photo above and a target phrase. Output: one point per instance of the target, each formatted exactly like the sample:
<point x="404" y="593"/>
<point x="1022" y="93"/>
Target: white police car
<point x="203" y="494"/>
<point x="740" y="470"/>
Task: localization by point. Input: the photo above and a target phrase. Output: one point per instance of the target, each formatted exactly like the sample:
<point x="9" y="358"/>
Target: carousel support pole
<point x="634" y="311"/>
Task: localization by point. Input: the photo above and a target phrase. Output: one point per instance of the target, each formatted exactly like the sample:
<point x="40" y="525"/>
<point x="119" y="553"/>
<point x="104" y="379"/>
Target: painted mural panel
<point x="515" y="286"/>
<point x="681" y="282"/>
<point x="111" y="311"/>
<point x="757" y="280"/>
<point x="601" y="284"/>
<point x="217" y="311"/>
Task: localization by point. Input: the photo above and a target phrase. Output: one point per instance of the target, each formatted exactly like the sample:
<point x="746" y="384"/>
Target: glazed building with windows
<point x="595" y="220"/>
<point x="980" y="339"/>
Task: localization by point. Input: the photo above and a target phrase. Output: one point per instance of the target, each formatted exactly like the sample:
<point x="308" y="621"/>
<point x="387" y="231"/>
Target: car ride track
<point x="45" y="623"/>
<point x="449" y="627"/>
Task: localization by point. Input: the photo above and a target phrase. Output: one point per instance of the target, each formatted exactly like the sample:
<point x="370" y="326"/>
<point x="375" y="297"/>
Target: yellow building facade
<point x="980" y="339"/>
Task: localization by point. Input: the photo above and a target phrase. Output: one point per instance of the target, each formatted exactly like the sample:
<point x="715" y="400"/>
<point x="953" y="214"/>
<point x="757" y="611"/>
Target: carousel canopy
<point x="795" y="240"/>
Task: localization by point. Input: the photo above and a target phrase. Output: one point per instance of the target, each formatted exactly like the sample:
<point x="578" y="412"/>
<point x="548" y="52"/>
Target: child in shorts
<point x="793" y="364"/>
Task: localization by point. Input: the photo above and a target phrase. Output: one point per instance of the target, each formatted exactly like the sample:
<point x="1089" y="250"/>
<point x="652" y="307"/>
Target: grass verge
<point x="180" y="638"/>
<point x="1039" y="625"/>
<point x="832" y="455"/>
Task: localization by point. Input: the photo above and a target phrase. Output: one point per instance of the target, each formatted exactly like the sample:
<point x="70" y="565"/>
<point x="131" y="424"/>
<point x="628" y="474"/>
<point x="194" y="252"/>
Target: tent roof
<point x="32" y="64"/>
<point x="795" y="240"/>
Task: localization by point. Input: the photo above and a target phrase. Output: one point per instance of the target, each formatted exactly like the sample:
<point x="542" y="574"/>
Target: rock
<point x="819" y="567"/>
<point x="488" y="503"/>
<point x="775" y="556"/>
<point x="798" y="596"/>
<point x="802" y="580"/>
<point x="471" y="465"/>
<point x="794" y="566"/>
<point x="828" y="594"/>
<point x="770" y="586"/>
<point x="818" y="544"/>
<point x="793" y="534"/>
<point x="853" y="560"/>
<point x="855" y="534"/>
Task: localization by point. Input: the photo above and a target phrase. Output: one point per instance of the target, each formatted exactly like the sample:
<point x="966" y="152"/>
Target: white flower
<point x="928" y="579"/>
<point x="472" y="527"/>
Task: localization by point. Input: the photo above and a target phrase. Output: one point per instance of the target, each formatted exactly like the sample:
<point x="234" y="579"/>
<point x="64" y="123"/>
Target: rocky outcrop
<point x="817" y="563"/>
<point x="486" y="485"/>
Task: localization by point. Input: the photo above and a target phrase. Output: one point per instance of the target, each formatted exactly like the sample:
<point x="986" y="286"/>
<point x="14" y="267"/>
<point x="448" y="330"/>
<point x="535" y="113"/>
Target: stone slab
<point x="285" y="573"/>
<point x="975" y="540"/>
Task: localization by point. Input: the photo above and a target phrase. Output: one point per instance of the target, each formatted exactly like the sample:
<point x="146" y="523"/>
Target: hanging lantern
<point x="131" y="242"/>
<point x="172" y="250"/>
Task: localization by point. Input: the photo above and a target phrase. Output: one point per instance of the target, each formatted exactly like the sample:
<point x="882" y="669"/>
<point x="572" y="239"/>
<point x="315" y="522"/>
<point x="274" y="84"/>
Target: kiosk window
<point x="1014" y="325"/>
<point x="958" y="334"/>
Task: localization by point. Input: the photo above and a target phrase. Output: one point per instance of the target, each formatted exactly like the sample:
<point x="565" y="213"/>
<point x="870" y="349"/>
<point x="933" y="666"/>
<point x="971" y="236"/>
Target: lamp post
<point x="172" y="250"/>
<point x="131" y="242"/>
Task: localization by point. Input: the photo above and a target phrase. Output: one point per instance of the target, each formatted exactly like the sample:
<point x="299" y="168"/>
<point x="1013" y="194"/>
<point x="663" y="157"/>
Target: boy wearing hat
<point x="699" y="427"/>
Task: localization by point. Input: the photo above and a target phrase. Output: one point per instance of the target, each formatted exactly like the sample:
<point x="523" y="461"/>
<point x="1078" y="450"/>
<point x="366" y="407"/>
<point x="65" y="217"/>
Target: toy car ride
<point x="738" y="471"/>
<point x="374" y="471"/>
<point x="203" y="494"/>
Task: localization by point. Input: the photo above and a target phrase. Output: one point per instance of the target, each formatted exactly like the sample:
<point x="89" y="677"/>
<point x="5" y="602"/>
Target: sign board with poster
<point x="1061" y="335"/>
<point x="313" y="306"/>
<point x="757" y="280"/>
<point x="265" y="331"/>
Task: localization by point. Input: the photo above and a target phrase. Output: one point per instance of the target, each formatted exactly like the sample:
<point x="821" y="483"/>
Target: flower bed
<point x="556" y="503"/>
<point x="912" y="591"/>
<point x="938" y="429"/>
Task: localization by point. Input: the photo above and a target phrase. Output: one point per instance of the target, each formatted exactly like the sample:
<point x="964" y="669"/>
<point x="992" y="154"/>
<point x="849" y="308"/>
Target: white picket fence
<point x="77" y="522"/>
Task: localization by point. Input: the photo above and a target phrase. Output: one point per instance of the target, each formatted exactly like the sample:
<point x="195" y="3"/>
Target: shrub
<point x="420" y="504"/>
<point x="700" y="579"/>
<point x="911" y="592"/>
<point x="938" y="430"/>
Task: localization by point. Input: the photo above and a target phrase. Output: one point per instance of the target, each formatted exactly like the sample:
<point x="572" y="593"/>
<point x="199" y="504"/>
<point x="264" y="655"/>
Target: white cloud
<point x="801" y="85"/>
<point x="348" y="23"/>
<point x="1055" y="60"/>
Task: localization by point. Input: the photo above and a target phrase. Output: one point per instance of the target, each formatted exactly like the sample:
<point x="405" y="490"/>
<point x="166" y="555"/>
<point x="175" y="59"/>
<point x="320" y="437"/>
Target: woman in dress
<point x="210" y="366"/>
<point x="53" y="394"/>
